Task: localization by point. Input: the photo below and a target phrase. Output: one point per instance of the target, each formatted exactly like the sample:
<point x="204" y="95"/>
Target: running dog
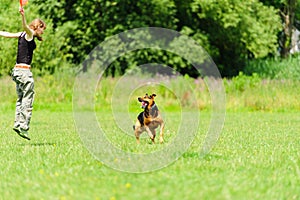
<point x="149" y="119"/>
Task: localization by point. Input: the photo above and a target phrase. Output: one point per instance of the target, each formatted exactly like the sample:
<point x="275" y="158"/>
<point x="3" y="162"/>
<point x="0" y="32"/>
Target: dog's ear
<point x="153" y="95"/>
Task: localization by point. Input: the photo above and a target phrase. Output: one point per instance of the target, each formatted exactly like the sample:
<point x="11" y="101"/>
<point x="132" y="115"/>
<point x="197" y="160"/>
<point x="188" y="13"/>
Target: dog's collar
<point x="154" y="110"/>
<point x="153" y="106"/>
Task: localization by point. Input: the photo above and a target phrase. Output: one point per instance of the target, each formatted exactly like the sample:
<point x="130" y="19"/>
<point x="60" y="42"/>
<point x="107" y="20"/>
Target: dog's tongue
<point x="144" y="104"/>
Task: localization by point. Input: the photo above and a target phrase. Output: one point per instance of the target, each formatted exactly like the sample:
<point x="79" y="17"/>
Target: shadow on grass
<point x="39" y="144"/>
<point x="200" y="156"/>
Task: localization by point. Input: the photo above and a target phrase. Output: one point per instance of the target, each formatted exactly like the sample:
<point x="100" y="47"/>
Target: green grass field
<point x="256" y="157"/>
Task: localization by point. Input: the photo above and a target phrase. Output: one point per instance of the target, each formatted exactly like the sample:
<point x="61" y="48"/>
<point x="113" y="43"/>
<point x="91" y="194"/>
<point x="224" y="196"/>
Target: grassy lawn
<point x="256" y="157"/>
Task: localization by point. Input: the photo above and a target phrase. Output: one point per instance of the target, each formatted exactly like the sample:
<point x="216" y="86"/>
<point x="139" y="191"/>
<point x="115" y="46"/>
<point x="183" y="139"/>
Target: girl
<point x="21" y="74"/>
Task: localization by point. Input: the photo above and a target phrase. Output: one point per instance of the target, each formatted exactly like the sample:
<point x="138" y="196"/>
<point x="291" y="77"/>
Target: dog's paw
<point x="161" y="140"/>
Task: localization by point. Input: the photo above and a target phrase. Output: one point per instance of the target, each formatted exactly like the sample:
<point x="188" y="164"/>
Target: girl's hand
<point x="21" y="10"/>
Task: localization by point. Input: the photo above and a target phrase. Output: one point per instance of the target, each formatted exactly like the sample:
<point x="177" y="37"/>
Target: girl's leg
<point x="27" y="102"/>
<point x="25" y="91"/>
<point x="18" y="106"/>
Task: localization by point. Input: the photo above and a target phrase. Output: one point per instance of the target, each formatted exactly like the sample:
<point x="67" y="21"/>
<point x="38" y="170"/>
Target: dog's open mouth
<point x="144" y="104"/>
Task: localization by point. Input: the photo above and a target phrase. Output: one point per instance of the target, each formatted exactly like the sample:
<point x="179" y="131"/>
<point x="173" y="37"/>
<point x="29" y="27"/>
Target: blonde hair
<point x="37" y="24"/>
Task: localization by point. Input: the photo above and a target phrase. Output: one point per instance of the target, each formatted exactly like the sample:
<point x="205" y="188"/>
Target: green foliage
<point x="52" y="91"/>
<point x="239" y="30"/>
<point x="180" y="93"/>
<point x="254" y="93"/>
<point x="97" y="19"/>
<point x="246" y="28"/>
<point x="275" y="68"/>
<point x="243" y="82"/>
<point x="231" y="31"/>
<point x="243" y="92"/>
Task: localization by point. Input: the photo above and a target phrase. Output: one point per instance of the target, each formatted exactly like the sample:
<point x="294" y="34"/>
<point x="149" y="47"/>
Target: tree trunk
<point x="288" y="17"/>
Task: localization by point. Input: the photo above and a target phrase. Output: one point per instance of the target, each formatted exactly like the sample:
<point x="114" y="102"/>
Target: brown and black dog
<point x="149" y="119"/>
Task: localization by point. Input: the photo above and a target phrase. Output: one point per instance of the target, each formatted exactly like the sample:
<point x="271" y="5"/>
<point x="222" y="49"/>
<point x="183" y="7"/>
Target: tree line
<point x="231" y="31"/>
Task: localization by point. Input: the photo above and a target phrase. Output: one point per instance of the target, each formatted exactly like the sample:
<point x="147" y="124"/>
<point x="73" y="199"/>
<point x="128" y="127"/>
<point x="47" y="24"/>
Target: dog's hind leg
<point x="153" y="133"/>
<point x="137" y="136"/>
<point x="137" y="132"/>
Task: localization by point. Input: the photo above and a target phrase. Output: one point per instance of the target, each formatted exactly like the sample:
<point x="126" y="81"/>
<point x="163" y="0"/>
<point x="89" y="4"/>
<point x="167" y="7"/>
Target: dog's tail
<point x="133" y="127"/>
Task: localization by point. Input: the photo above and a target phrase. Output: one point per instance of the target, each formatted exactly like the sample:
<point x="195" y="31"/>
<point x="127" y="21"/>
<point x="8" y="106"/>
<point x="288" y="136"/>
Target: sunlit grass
<point x="256" y="157"/>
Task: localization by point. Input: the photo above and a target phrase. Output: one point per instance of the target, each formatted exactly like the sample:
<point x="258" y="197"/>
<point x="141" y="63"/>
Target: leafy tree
<point x="231" y="31"/>
<point x="289" y="11"/>
<point x="91" y="21"/>
<point x="238" y="29"/>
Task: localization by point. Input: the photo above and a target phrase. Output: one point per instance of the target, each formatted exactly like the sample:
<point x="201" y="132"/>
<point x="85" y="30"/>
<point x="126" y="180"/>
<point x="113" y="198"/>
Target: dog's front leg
<point x="150" y="134"/>
<point x="161" y="132"/>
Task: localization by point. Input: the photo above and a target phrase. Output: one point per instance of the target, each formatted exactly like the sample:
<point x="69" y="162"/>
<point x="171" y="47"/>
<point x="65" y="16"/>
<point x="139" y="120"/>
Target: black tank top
<point x="25" y="50"/>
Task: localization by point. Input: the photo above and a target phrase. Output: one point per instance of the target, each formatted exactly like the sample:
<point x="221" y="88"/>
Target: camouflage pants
<point x="25" y="91"/>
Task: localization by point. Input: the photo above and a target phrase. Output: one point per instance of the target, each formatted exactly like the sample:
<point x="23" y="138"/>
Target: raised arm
<point x="29" y="32"/>
<point x="9" y="35"/>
